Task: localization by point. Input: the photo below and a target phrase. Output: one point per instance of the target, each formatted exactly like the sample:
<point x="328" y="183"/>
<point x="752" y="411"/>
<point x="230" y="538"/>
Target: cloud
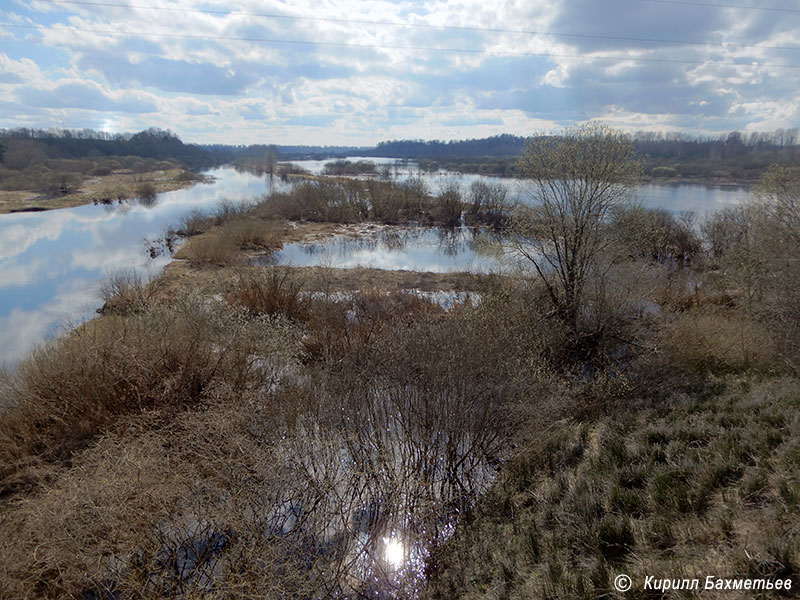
<point x="170" y="75"/>
<point x="642" y="64"/>
<point x="255" y="111"/>
<point x="310" y="120"/>
<point x="85" y="96"/>
<point x="472" y="121"/>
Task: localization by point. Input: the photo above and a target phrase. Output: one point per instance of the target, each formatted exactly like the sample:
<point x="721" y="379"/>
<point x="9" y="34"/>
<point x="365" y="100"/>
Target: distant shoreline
<point x="105" y="189"/>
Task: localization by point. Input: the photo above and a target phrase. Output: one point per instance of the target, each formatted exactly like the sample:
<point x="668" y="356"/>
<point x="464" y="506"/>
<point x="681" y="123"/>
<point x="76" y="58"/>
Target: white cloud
<point x="212" y="88"/>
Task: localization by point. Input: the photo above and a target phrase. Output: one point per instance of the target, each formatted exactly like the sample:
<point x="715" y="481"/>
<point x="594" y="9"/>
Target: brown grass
<point x="164" y="358"/>
<point x="210" y="249"/>
<point x="716" y="341"/>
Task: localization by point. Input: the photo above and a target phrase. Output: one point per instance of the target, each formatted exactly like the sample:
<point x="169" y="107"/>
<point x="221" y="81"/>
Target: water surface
<point x="395" y="249"/>
<point x="52" y="262"/>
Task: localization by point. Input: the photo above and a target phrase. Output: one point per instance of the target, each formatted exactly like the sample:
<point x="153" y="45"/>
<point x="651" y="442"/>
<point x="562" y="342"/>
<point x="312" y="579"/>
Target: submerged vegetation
<point x="625" y="404"/>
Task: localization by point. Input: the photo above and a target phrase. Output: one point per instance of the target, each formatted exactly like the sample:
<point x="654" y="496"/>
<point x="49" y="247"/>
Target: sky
<point x="352" y="72"/>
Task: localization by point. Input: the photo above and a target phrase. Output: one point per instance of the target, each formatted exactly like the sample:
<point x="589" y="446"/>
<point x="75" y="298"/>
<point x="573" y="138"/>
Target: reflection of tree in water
<point x="393" y="240"/>
<point x="453" y="241"/>
<point x="147" y="200"/>
<point x="347" y="500"/>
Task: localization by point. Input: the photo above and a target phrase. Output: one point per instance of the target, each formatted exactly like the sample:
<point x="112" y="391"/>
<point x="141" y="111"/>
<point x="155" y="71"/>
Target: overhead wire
<point x="719" y="5"/>
<point x="477" y="29"/>
<point x="753" y="64"/>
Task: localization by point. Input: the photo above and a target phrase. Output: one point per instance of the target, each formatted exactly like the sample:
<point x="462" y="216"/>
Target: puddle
<point x="408" y="249"/>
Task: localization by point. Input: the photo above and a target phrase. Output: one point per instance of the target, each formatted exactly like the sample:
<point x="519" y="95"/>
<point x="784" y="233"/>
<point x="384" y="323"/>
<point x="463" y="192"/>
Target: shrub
<point x="126" y="293"/>
<point x="101" y="171"/>
<point x="229" y="211"/>
<point x="487" y="205"/>
<point x="271" y="292"/>
<point x="664" y="172"/>
<point x="448" y="205"/>
<point x="187" y="176"/>
<point x="249" y="233"/>
<point x="193" y="223"/>
<point x="146" y="191"/>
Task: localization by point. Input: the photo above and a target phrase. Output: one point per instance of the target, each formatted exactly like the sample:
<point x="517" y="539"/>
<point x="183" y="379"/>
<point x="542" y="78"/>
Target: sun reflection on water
<point x="394" y="552"/>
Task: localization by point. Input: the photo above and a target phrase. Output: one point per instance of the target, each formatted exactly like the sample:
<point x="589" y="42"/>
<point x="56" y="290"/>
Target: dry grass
<point x="280" y="485"/>
<point x="721" y="341"/>
<point x="127" y="292"/>
<point x="210" y="249"/>
<point x="164" y="358"/>
<point x="100" y="189"/>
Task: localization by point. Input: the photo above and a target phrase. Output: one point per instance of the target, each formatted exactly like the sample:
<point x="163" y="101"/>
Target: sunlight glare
<point x="394" y="552"/>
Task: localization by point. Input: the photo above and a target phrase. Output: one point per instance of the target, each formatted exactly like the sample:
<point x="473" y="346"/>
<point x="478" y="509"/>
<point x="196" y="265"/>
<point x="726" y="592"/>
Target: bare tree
<point x="778" y="193"/>
<point x="575" y="180"/>
<point x="271" y="160"/>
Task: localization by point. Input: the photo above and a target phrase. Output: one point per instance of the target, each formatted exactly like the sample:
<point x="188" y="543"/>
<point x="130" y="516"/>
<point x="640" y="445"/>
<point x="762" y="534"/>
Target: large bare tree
<point x="574" y="181"/>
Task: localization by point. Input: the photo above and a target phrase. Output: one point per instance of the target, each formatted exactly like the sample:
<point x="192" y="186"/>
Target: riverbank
<point x="288" y="431"/>
<point x="104" y="189"/>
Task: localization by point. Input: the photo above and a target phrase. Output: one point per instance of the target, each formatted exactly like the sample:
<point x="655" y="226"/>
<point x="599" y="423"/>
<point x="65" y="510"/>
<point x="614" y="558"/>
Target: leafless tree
<point x="574" y="181"/>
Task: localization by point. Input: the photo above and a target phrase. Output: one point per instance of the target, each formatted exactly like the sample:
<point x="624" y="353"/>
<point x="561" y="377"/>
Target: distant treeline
<point x="731" y="156"/>
<point x="497" y="146"/>
<point x="288" y="152"/>
<point x="152" y="143"/>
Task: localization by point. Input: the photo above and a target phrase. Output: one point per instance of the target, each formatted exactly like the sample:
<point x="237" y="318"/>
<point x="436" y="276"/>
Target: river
<point x="52" y="263"/>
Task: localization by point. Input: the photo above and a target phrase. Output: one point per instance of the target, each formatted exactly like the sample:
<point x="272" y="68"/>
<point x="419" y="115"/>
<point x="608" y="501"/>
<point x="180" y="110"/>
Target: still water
<point x="395" y="249"/>
<point x="51" y="263"/>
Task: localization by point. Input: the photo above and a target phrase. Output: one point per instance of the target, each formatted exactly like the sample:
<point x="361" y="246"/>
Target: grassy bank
<point x="694" y="485"/>
<point x="113" y="187"/>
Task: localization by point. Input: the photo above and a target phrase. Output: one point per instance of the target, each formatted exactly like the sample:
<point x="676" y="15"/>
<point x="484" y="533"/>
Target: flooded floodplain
<point x="52" y="263"/>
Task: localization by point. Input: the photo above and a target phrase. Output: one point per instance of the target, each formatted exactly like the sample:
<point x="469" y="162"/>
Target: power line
<point x="421" y="25"/>
<point x="716" y="5"/>
<point x="397" y="47"/>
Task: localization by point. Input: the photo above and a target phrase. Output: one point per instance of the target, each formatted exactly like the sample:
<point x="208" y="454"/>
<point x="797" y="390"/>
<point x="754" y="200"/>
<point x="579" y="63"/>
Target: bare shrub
<point x="655" y="235"/>
<point x="272" y="291"/>
<point x="487" y="204"/>
<point x="317" y="201"/>
<point x="347" y="327"/>
<point x="394" y="203"/>
<point x="101" y="170"/>
<point x="193" y="223"/>
<point x="146" y="191"/>
<point x="186" y="175"/>
<point x="344" y="490"/>
<point x="249" y="232"/>
<point x="228" y="210"/>
<point x="449" y="204"/>
<point x="127" y="292"/>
